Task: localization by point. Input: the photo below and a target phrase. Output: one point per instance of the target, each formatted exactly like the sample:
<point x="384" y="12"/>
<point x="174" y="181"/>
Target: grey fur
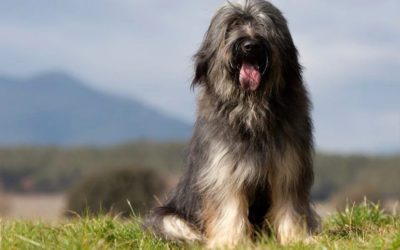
<point x="258" y="143"/>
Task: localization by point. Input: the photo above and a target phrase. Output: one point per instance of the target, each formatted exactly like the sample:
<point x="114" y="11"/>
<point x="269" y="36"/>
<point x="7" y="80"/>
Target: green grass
<point x="364" y="226"/>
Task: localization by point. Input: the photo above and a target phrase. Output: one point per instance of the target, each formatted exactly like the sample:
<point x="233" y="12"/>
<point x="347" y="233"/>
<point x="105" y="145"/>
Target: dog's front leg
<point x="291" y="216"/>
<point x="224" y="213"/>
<point x="226" y="223"/>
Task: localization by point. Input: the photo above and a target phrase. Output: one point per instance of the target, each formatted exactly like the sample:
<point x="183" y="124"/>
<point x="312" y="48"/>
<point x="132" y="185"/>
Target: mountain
<point x="57" y="109"/>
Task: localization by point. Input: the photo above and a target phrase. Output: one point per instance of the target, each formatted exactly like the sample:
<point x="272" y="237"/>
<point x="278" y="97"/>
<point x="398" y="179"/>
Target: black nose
<point x="249" y="46"/>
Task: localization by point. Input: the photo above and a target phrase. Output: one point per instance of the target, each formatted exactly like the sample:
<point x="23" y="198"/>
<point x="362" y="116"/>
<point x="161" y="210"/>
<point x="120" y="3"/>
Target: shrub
<point x="110" y="191"/>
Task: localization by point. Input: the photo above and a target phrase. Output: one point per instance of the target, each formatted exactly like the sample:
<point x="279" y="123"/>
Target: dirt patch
<point x="46" y="207"/>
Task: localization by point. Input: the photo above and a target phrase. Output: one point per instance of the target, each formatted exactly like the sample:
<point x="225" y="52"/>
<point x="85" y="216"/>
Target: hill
<point x="58" y="109"/>
<point x="57" y="169"/>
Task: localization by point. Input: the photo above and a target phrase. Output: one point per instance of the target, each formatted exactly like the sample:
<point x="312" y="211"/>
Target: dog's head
<point x="247" y="51"/>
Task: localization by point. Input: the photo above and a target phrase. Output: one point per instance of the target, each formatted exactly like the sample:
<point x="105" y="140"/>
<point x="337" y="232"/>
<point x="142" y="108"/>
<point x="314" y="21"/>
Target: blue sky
<point x="143" y="49"/>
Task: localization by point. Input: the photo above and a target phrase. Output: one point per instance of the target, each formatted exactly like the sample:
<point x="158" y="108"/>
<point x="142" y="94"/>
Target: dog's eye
<point x="230" y="28"/>
<point x="234" y="25"/>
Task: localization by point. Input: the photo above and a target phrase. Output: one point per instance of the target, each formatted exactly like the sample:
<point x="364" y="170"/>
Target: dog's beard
<point x="244" y="109"/>
<point x="240" y="75"/>
<point x="251" y="63"/>
<point x="239" y="82"/>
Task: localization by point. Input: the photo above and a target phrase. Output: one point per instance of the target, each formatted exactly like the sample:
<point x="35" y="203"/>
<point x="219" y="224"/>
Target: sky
<point x="143" y="49"/>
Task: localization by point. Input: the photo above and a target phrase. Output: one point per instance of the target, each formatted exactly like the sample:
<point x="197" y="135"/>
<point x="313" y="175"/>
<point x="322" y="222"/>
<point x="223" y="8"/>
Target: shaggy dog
<point x="249" y="165"/>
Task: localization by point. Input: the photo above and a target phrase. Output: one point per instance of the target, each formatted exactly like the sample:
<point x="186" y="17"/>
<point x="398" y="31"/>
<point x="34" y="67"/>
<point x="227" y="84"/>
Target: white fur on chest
<point x="226" y="172"/>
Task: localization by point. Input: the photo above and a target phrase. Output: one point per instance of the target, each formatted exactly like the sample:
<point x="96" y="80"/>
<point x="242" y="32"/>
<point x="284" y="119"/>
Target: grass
<point x="363" y="226"/>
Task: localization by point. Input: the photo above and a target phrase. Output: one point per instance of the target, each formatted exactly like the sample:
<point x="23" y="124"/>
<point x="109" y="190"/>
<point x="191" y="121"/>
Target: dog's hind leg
<point x="172" y="226"/>
<point x="179" y="229"/>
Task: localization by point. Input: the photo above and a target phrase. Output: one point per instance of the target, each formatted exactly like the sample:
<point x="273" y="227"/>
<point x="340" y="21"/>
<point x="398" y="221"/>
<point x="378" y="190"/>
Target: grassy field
<point x="363" y="226"/>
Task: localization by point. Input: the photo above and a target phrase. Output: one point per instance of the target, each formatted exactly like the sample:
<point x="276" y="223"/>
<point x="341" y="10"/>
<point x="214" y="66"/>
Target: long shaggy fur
<point x="249" y="165"/>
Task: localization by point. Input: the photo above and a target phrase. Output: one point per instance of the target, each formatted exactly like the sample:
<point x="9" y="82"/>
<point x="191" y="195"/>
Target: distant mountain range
<point x="57" y="109"/>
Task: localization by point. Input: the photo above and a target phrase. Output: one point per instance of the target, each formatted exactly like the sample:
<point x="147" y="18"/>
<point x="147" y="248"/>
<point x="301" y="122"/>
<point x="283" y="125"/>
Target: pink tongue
<point x="249" y="77"/>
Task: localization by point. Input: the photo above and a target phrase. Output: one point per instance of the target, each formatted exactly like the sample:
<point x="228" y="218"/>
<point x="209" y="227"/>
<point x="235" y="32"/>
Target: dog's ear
<point x="213" y="38"/>
<point x="201" y="66"/>
<point x="203" y="58"/>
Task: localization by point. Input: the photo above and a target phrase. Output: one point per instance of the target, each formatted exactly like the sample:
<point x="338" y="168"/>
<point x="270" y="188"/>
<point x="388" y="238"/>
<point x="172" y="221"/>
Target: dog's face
<point x="247" y="51"/>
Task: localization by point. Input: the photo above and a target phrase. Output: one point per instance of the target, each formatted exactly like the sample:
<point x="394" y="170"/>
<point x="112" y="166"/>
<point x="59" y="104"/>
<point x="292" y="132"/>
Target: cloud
<point x="135" y="48"/>
<point x="143" y="49"/>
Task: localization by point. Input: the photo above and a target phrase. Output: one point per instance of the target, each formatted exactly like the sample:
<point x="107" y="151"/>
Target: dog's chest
<point x="249" y="114"/>
<point x="230" y="166"/>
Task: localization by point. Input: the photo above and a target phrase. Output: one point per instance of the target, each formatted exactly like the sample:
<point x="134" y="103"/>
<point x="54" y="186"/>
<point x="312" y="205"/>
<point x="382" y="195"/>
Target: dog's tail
<point x="167" y="224"/>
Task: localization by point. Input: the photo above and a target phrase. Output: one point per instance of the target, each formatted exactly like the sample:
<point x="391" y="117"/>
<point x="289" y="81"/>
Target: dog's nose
<point x="249" y="46"/>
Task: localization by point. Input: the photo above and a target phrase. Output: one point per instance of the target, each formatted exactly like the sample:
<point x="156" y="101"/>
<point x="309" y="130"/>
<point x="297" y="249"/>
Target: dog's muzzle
<point x="252" y="62"/>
